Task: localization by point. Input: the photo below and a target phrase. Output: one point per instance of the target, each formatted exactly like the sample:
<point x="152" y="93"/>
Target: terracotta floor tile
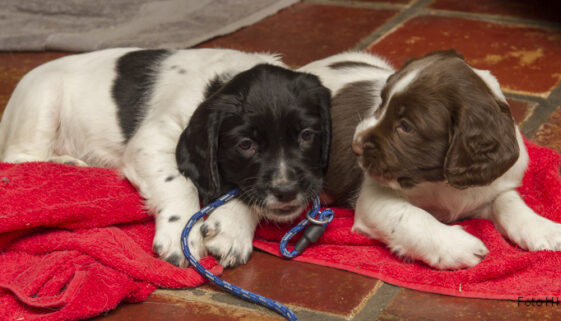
<point x="161" y="308"/>
<point x="414" y="305"/>
<point x="13" y="65"/>
<point x="524" y="59"/>
<point x="542" y="10"/>
<point x="521" y="110"/>
<point x="306" y="31"/>
<point x="305" y="285"/>
<point x="549" y="133"/>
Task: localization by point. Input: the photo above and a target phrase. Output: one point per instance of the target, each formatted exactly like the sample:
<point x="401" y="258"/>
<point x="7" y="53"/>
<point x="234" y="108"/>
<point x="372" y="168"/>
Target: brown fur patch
<point x="349" y="106"/>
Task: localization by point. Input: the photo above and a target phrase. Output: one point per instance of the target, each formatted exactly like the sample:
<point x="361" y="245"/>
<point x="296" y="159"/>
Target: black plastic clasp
<point x="311" y="234"/>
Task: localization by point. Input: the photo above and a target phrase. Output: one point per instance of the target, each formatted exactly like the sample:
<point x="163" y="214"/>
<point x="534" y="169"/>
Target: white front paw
<point x="455" y="249"/>
<point x="230" y="241"/>
<point x="538" y="235"/>
<point x="167" y="243"/>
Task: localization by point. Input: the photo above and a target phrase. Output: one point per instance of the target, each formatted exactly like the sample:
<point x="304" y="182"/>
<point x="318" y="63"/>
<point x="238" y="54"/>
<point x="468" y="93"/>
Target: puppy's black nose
<point x="284" y="193"/>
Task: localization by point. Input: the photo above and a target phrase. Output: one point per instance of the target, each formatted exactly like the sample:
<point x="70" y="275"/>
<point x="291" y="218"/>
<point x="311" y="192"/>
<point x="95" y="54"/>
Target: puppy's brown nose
<point x="357" y="148"/>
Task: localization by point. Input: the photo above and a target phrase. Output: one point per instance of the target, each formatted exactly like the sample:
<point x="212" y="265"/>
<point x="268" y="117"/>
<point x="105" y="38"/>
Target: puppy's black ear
<point x="310" y="86"/>
<point x="196" y="152"/>
<point x="483" y="144"/>
<point x="324" y="104"/>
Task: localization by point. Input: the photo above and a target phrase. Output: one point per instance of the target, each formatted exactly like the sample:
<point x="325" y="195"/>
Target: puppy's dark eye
<point x="404" y="127"/>
<point x="306" y="137"/>
<point x="247" y="147"/>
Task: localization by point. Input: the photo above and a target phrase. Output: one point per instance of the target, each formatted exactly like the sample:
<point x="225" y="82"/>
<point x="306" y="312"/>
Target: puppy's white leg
<point x="29" y="125"/>
<point x="228" y="233"/>
<point x="516" y="221"/>
<point x="149" y="163"/>
<point x="410" y="231"/>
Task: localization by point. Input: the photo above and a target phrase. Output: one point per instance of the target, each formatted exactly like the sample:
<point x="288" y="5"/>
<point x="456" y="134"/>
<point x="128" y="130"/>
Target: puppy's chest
<point x="448" y="204"/>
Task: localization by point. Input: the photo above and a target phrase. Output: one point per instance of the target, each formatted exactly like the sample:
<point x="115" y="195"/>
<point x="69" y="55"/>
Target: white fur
<point x="230" y="232"/>
<point x="384" y="214"/>
<point x="63" y="111"/>
<point x="337" y="79"/>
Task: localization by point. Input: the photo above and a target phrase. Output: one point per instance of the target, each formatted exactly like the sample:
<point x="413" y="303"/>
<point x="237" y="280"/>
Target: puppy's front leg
<point x="149" y="163"/>
<point x="516" y="221"/>
<point x="383" y="214"/>
<point x="228" y="233"/>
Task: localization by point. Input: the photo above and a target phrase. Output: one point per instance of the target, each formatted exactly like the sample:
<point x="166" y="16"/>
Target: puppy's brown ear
<point x="196" y="152"/>
<point x="451" y="53"/>
<point x="483" y="139"/>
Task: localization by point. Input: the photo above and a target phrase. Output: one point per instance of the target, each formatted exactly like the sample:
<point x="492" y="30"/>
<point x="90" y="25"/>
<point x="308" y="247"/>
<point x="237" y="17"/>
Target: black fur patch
<point x="157" y="248"/>
<point x="133" y="86"/>
<point x="173" y="218"/>
<point x="174" y="259"/>
<point x="204" y="230"/>
<point x="216" y="83"/>
<point x="352" y="64"/>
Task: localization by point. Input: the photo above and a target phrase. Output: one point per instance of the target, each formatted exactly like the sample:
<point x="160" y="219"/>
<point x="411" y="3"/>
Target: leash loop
<point x="317" y="222"/>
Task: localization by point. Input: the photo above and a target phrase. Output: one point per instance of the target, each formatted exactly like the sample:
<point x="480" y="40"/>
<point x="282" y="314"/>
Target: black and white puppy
<point x="222" y="118"/>
<point x="437" y="143"/>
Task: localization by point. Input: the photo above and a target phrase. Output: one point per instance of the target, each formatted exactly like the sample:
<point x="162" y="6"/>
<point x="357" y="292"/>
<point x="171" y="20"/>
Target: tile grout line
<point x="378" y="302"/>
<point x="530" y="110"/>
<point x="491" y="18"/>
<point x="363" y="5"/>
<point x="387" y="28"/>
<point x="364" y="300"/>
<point x="213" y="295"/>
<point x="425" y="10"/>
<point x="513" y="95"/>
<point x="216" y="299"/>
<point x="542" y="112"/>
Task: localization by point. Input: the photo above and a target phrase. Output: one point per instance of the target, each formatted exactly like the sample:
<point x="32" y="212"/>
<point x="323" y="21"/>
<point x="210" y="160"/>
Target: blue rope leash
<point x="311" y="234"/>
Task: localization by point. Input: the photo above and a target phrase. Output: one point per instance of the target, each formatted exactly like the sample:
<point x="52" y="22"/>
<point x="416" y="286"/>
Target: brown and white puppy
<point x="437" y="145"/>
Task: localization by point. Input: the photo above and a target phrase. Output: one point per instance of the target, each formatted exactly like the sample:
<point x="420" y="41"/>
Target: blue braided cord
<point x="266" y="302"/>
<point x="325" y="216"/>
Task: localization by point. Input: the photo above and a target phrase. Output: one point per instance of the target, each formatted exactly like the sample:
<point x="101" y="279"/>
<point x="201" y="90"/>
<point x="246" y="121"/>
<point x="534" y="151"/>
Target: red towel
<point x="507" y="272"/>
<point x="74" y="242"/>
